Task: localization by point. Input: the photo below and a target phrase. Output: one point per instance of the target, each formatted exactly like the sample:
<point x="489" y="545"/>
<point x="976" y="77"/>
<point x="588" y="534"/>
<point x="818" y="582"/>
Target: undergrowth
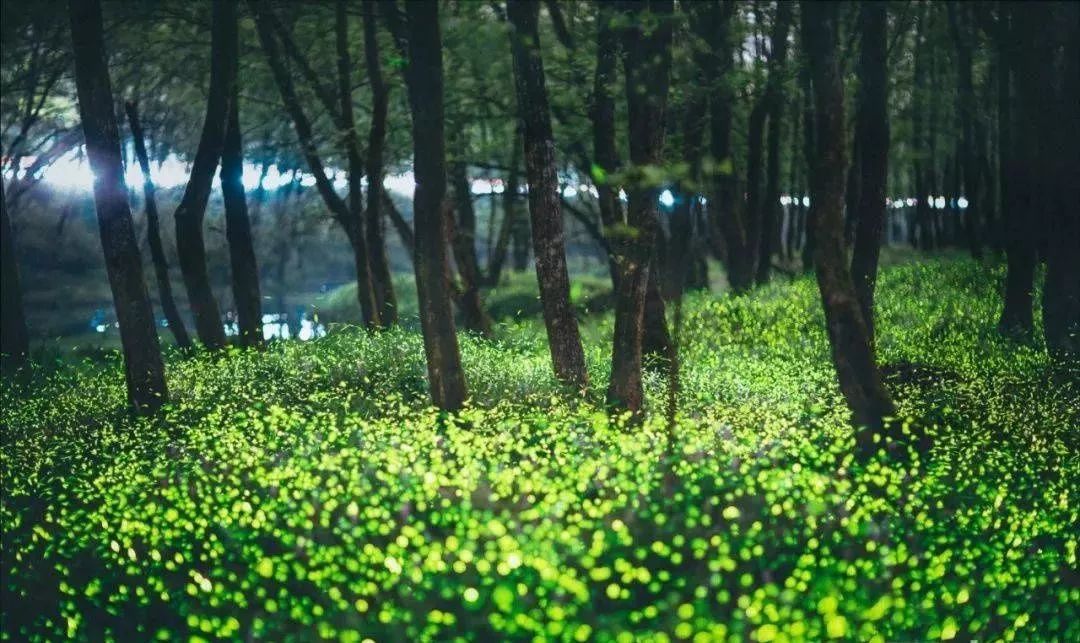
<point x="308" y="491"/>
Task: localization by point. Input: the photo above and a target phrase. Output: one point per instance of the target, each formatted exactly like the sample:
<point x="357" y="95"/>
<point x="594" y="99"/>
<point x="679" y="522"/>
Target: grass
<point x="308" y="491"/>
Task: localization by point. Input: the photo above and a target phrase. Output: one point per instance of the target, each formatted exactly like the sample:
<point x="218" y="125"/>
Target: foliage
<point x="308" y="490"/>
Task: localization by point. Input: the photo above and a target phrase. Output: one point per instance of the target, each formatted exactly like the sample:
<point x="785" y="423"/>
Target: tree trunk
<point x="1061" y="296"/>
<point x="365" y="288"/>
<point x="381" y="281"/>
<point x="348" y="215"/>
<point x="424" y="76"/>
<point x="545" y="211"/>
<point x="602" y="115"/>
<point x="14" y="338"/>
<point x="872" y="140"/>
<point x="143" y="368"/>
<point x="852" y="350"/>
<point x="462" y="232"/>
<point x="647" y="65"/>
<point x="153" y="233"/>
<point x="770" y="210"/>
<point x="959" y="24"/>
<point x="190" y="246"/>
<point x="810" y="135"/>
<point x="497" y="259"/>
<point x="245" y="269"/>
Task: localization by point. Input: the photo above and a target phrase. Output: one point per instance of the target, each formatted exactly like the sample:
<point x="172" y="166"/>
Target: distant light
<point x="667" y="198"/>
<point x="785" y="200"/>
<point x="100" y="328"/>
<point x="963" y="203"/>
<point x="702" y="200"/>
<point x="568" y="191"/>
<point x="583" y="188"/>
<point x="622" y="196"/>
<point x="910" y="202"/>
<point x="939" y="203"/>
<point x="806" y="202"/>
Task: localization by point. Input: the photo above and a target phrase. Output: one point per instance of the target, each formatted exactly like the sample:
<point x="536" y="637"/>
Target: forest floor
<point x="308" y="490"/>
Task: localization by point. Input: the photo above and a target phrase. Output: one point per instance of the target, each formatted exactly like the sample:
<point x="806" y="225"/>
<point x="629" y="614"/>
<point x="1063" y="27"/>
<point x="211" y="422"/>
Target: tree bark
<point x="424" y="77"/>
<point x="365" y="288"/>
<point x="245" y="269"/>
<point x="1061" y="294"/>
<point x="381" y="281"/>
<point x="461" y="228"/>
<point x="344" y="213"/>
<point x="647" y="66"/>
<point x="14" y="338"/>
<point x="153" y="233"/>
<point x="852" y="350"/>
<point x="602" y="114"/>
<point x="545" y="211"/>
<point x="143" y="368"/>
<point x="770" y="211"/>
<point x="190" y="245"/>
<point x="960" y="25"/>
<point x="872" y="140"/>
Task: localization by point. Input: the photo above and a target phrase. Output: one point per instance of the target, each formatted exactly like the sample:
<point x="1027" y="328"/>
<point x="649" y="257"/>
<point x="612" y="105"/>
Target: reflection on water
<point x="275" y="325"/>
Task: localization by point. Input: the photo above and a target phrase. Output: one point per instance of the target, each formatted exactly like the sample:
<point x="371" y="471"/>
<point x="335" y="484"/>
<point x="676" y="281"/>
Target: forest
<point x="613" y="320"/>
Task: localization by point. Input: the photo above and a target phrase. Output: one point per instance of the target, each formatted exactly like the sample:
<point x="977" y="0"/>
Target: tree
<point x="153" y="232"/>
<point x="849" y="336"/>
<point x="872" y="141"/>
<point x="647" y="66"/>
<point x="190" y="245"/>
<point x="347" y="213"/>
<point x="143" y="368"/>
<point x="245" y="270"/>
<point x="375" y="228"/>
<point x="774" y="101"/>
<point x="963" y="34"/>
<point x="14" y="338"/>
<point x="545" y="212"/>
<point x="419" y="38"/>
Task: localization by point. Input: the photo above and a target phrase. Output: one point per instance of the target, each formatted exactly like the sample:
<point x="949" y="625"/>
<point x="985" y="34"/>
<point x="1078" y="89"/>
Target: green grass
<point x="308" y="491"/>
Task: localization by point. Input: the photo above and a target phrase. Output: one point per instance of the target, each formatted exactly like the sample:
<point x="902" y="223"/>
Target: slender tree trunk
<point x="14" y="338"/>
<point x="348" y="215"/>
<point x="770" y="210"/>
<point x="959" y="23"/>
<point x="143" y="368"/>
<point x="924" y="231"/>
<point x="462" y="233"/>
<point x="497" y="258"/>
<point x="424" y="77"/>
<point x="245" y="269"/>
<point x="755" y="157"/>
<point x="153" y="233"/>
<point x="872" y="136"/>
<point x="810" y="137"/>
<point x="647" y="65"/>
<point x="1061" y="295"/>
<point x="852" y="350"/>
<point x="381" y="281"/>
<point x="190" y="245"/>
<point x="545" y="211"/>
<point x="602" y="114"/>
<point x="365" y="288"/>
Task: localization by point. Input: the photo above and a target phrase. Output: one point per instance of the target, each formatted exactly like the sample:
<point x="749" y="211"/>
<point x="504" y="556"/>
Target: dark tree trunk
<point x="961" y="27"/>
<point x="348" y="215"/>
<point x="497" y="259"/>
<point x="462" y="232"/>
<point x="920" y="159"/>
<point x="14" y="338"/>
<point x="545" y="211"/>
<point x="872" y="139"/>
<point x="1061" y="295"/>
<point x="750" y="242"/>
<point x="602" y="114"/>
<point x="143" y="368"/>
<point x="190" y="245"/>
<point x="1020" y="164"/>
<point x="683" y="251"/>
<point x="647" y="65"/>
<point x="810" y="136"/>
<point x="365" y="288"/>
<point x="424" y="77"/>
<point x="153" y="233"/>
<point x="245" y="269"/>
<point x="770" y="210"/>
<point x="382" y="284"/>
<point x="852" y="350"/>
